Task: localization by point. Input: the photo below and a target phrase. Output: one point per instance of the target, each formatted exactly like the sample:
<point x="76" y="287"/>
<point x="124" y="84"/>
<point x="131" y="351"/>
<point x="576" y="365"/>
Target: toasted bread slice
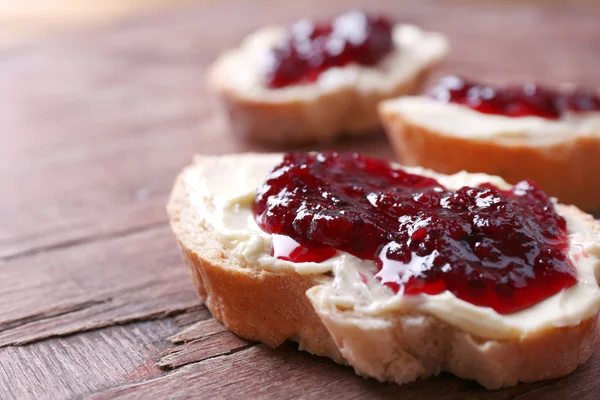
<point x="267" y="300"/>
<point x="342" y="100"/>
<point x="563" y="157"/>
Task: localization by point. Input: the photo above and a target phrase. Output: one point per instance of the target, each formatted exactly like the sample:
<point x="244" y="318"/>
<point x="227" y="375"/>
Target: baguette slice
<point x="272" y="306"/>
<point x="563" y="156"/>
<point x="342" y="100"/>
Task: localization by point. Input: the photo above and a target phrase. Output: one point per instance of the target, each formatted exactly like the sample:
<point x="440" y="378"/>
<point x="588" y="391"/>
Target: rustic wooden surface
<point x="94" y="300"/>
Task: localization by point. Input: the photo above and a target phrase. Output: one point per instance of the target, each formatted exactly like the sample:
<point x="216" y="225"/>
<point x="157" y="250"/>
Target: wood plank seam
<point x="148" y="317"/>
<point x="178" y="340"/>
<point x="199" y="341"/>
<point x="46" y="315"/>
<point x="100" y="394"/>
<point x="74" y="243"/>
<point x="200" y="329"/>
<point x="165" y="364"/>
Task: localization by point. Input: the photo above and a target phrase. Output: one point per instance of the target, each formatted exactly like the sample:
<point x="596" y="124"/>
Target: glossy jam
<point x="286" y="248"/>
<point x="310" y="48"/>
<point x="495" y="248"/>
<point x="515" y="101"/>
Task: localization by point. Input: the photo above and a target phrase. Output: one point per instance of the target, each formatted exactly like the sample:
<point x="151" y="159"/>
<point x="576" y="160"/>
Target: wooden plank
<point x="202" y="340"/>
<point x="198" y="330"/>
<point x="69" y="367"/>
<point x="88" y="362"/>
<point x="102" y="283"/>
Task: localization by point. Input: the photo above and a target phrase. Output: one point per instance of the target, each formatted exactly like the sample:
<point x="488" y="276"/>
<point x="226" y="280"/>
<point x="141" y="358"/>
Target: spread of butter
<point x="222" y="190"/>
<point x="462" y="121"/>
<point x="243" y="69"/>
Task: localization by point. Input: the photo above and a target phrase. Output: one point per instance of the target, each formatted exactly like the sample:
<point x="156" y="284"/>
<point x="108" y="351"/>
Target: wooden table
<point x="94" y="300"/>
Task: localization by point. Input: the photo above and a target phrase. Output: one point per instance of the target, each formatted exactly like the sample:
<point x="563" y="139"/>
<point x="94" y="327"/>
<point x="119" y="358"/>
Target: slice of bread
<point x="562" y="156"/>
<point x="342" y="100"/>
<point x="267" y="300"/>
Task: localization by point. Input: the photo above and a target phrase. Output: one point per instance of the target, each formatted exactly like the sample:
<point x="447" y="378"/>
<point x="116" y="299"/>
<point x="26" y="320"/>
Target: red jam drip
<point x="515" y="101"/>
<point x="286" y="248"/>
<point x="310" y="48"/>
<point x="504" y="249"/>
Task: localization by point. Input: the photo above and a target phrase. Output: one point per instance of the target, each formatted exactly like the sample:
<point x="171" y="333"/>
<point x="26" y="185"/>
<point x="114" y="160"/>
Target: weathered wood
<point x="204" y="339"/>
<point x="92" y="361"/>
<point x="102" y="283"/>
<point x="190" y="317"/>
<point x="93" y="129"/>
<point x="198" y="330"/>
<point x="67" y="367"/>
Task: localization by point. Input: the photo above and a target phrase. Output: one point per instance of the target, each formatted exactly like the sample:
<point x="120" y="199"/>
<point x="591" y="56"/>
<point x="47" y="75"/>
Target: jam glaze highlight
<point x="504" y="249"/>
<point x="515" y="101"/>
<point x="310" y="48"/>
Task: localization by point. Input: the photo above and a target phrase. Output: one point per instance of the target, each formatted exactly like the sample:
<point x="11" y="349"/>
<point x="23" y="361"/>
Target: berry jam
<point x="310" y="48"/>
<point x="504" y="249"/>
<point x="515" y="101"/>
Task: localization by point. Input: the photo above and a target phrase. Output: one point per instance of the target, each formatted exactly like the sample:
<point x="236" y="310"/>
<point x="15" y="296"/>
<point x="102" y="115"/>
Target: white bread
<point x="272" y="306"/>
<point x="342" y="101"/>
<point x="562" y="156"/>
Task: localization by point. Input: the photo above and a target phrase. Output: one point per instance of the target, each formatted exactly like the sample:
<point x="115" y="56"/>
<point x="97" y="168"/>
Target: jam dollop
<point x="515" y="101"/>
<point x="504" y="249"/>
<point x="310" y="48"/>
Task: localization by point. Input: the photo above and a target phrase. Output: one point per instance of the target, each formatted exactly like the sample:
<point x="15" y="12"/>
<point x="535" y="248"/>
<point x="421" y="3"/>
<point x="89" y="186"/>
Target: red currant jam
<point x="515" y="101"/>
<point x="310" y="48"/>
<point x="504" y="249"/>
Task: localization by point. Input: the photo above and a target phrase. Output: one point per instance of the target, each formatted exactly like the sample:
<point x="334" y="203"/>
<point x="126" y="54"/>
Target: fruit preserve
<point x="310" y="48"/>
<point x="515" y="101"/>
<point x="504" y="249"/>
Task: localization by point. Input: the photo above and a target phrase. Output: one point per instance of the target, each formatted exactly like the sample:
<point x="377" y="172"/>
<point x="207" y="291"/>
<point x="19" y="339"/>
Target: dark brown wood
<point x="106" y="282"/>
<point x="203" y="340"/>
<point x="80" y="364"/>
<point x="95" y="125"/>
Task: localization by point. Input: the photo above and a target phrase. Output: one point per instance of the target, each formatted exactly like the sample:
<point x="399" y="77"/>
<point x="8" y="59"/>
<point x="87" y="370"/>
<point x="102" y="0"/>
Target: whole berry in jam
<point x="515" y="101"/>
<point x="309" y="48"/>
<point x="504" y="249"/>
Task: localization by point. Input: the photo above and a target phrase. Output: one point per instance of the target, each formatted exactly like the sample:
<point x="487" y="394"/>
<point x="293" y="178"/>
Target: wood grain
<point x="80" y="364"/>
<point x="100" y="284"/>
<point x="85" y="363"/>
<point x="93" y="129"/>
<point x="202" y="340"/>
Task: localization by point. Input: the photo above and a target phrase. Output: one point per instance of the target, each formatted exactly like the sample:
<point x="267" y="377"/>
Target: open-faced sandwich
<point x="551" y="136"/>
<point x="313" y="81"/>
<point x="399" y="272"/>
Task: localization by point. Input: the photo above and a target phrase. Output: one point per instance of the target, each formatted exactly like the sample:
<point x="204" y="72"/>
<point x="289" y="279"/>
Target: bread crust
<point x="258" y="305"/>
<point x="567" y="169"/>
<point x="272" y="307"/>
<point x="320" y="119"/>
